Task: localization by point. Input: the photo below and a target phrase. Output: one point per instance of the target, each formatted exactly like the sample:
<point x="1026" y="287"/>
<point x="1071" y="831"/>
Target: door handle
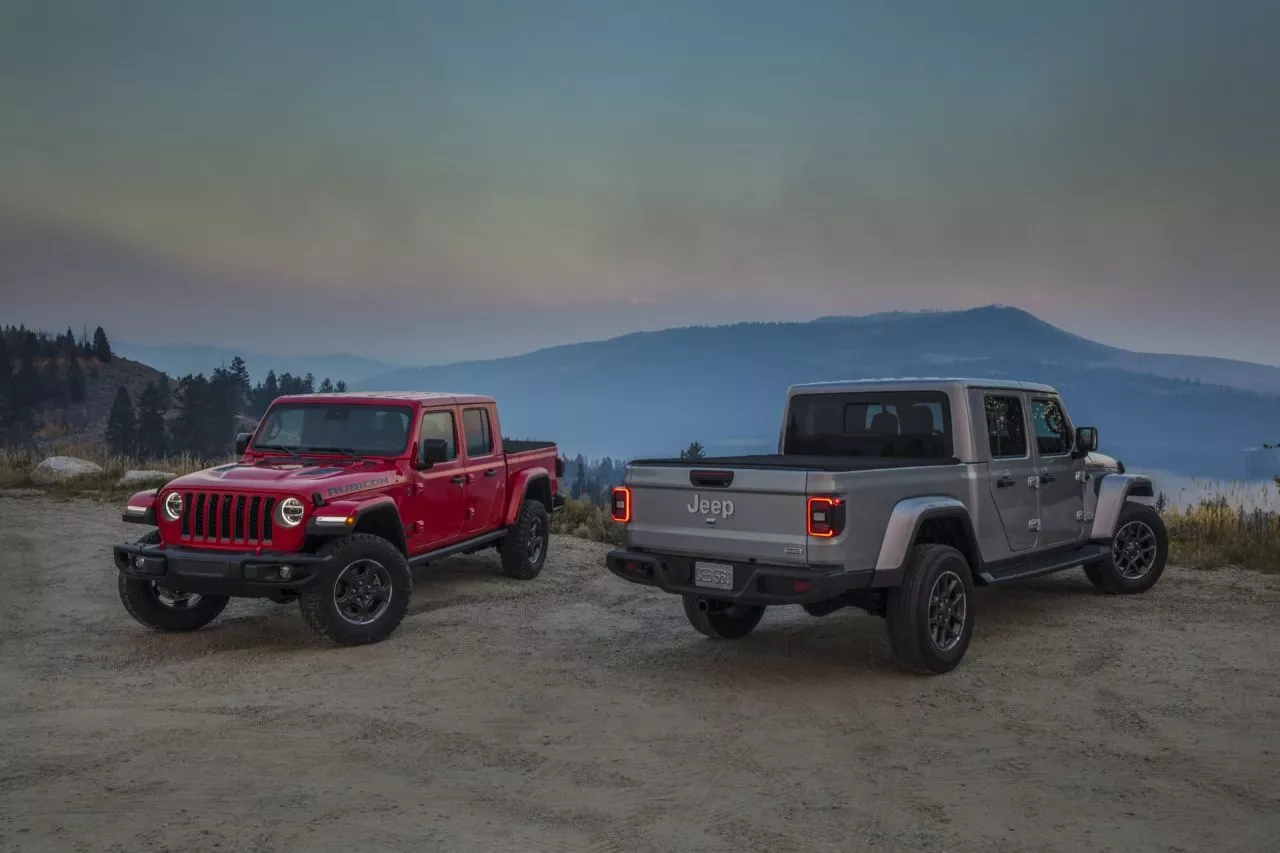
<point x="1006" y="482"/>
<point x="1047" y="478"/>
<point x="492" y="472"/>
<point x="458" y="480"/>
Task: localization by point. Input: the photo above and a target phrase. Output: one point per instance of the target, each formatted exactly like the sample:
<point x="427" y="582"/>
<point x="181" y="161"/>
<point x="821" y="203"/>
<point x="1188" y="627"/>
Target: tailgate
<point x="759" y="515"/>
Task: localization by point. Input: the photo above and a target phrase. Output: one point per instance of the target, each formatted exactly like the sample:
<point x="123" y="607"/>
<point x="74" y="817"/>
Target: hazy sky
<point x="424" y="180"/>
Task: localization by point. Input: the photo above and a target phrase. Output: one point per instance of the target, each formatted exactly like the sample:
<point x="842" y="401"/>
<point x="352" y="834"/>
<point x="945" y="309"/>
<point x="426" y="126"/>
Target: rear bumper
<point x="234" y="573"/>
<point x="753" y="583"/>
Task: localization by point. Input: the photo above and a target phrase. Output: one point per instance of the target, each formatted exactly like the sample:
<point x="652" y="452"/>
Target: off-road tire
<point x="730" y="623"/>
<point x="141" y="598"/>
<point x="910" y="610"/>
<point x="520" y="558"/>
<point x="359" y="552"/>
<point x="1107" y="575"/>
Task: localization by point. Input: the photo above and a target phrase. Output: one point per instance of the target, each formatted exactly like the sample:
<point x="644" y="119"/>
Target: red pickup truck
<point x="333" y="498"/>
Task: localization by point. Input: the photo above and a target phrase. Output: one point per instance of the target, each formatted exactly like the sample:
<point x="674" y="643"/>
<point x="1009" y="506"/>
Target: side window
<point x="1006" y="429"/>
<point x="476" y="424"/>
<point x="440" y="425"/>
<point x="1053" y="433"/>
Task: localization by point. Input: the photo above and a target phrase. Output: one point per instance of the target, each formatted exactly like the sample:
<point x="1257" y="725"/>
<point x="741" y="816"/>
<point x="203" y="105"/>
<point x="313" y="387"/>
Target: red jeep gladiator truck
<point x="333" y="498"/>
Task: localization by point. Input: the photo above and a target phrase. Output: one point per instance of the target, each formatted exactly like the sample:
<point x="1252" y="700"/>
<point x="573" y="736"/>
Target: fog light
<point x="286" y="572"/>
<point x="137" y="562"/>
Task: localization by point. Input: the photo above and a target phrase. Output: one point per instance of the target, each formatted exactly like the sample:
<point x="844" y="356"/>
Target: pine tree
<point x="152" y="440"/>
<point x="75" y="379"/>
<point x="68" y="344"/>
<point x="187" y="432"/>
<point x="120" y="424"/>
<point x="240" y="373"/>
<point x="101" y="346"/>
<point x="326" y="387"/>
<point x="693" y="451"/>
<point x="580" y="482"/>
<point x="341" y="387"/>
<point x="86" y="345"/>
<point x="309" y="384"/>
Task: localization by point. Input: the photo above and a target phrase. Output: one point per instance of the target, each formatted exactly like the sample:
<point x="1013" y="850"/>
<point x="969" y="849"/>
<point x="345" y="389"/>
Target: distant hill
<point x="181" y="359"/>
<point x="86" y="423"/>
<point x="654" y="392"/>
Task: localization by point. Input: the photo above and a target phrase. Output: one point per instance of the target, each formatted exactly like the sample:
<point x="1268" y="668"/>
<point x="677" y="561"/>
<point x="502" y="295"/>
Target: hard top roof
<point x="426" y="398"/>
<point x="918" y="383"/>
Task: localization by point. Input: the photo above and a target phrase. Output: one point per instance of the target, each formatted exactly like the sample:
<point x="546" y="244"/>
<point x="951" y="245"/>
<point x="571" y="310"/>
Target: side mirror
<point x="242" y="442"/>
<point x="1086" y="440"/>
<point x="432" y="451"/>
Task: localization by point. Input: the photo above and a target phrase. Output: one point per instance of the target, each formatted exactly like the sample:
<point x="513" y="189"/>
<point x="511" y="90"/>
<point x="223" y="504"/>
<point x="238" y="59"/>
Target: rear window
<point x="896" y="425"/>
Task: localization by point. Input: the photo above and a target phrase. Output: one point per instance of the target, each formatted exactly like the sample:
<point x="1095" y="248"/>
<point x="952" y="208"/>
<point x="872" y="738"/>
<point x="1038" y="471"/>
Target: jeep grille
<point x="213" y="517"/>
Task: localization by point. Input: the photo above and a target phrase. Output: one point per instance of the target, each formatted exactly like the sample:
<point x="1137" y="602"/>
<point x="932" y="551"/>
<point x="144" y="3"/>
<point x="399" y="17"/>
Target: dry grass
<point x="1216" y="533"/>
<point x="581" y="519"/>
<point x="16" y="467"/>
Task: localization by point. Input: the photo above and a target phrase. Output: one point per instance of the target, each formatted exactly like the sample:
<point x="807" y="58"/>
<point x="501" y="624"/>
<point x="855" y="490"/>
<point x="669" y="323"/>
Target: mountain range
<point x="181" y="359"/>
<point x="654" y="392"/>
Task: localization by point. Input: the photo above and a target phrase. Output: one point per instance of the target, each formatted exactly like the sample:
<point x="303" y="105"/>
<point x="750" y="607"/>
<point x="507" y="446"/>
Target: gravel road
<point x="578" y="713"/>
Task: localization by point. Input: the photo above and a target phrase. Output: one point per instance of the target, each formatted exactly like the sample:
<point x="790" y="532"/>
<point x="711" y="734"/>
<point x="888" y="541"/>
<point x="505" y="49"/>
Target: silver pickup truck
<point x="894" y="496"/>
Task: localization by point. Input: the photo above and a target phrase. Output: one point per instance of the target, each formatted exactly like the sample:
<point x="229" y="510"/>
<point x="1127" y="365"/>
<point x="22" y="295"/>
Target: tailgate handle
<point x="711" y="479"/>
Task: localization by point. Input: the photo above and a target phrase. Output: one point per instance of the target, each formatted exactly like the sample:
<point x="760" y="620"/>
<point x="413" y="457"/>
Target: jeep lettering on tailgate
<point x="724" y="509"/>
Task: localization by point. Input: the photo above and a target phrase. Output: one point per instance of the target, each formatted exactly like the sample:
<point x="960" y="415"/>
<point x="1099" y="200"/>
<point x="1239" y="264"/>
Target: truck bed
<point x="512" y="445"/>
<point x="779" y="462"/>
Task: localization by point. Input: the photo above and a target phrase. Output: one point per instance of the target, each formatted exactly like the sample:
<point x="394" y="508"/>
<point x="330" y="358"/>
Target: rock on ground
<point x="136" y="478"/>
<point x="60" y="469"/>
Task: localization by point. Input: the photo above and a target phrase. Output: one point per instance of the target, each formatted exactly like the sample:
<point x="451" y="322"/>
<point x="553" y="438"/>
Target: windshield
<point x="335" y="428"/>
<point x="911" y="425"/>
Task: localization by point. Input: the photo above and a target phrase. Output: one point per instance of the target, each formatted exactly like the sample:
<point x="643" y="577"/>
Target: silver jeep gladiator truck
<point x="894" y="496"/>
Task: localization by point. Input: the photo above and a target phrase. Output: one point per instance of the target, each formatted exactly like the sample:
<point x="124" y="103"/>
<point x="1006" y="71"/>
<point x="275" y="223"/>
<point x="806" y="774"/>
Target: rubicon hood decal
<point x="360" y="486"/>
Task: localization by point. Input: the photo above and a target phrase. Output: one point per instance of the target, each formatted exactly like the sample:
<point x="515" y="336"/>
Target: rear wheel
<point x="1139" y="550"/>
<point x="930" y="616"/>
<point x="722" y="621"/>
<point x="364" y="594"/>
<point x="524" y="549"/>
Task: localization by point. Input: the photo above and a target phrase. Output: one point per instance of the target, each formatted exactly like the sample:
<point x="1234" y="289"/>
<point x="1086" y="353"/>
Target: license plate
<point x="713" y="575"/>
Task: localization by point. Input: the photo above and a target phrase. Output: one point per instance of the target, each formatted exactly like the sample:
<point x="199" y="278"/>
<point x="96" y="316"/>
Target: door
<point x="486" y="472"/>
<point x="1012" y="470"/>
<point x="1061" y="493"/>
<point x="440" y="492"/>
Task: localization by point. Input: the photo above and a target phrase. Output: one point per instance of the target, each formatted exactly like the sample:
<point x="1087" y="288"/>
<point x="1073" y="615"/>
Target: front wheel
<point x="1139" y="550"/>
<point x="364" y="593"/>
<point x="931" y="614"/>
<point x="722" y="621"/>
<point x="163" y="609"/>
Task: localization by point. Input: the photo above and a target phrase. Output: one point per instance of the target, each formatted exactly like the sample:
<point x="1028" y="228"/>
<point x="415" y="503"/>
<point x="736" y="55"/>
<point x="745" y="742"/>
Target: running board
<point x="463" y="547"/>
<point x="1044" y="565"/>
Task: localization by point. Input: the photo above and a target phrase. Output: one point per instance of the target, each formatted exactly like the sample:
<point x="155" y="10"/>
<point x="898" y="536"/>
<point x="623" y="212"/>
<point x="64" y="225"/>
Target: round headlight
<point x="290" y="512"/>
<point x="173" y="506"/>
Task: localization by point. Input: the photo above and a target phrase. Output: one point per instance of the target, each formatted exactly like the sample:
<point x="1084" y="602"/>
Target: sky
<point x="433" y="181"/>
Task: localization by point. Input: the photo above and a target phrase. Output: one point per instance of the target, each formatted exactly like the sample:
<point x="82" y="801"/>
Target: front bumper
<point x="242" y="574"/>
<point x="753" y="583"/>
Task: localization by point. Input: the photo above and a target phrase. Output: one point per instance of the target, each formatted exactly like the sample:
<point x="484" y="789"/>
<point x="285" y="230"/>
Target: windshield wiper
<point x="281" y="447"/>
<point x="347" y="450"/>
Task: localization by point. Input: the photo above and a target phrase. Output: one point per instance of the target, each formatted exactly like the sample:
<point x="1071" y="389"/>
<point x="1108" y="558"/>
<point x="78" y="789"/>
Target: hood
<point x="1101" y="462"/>
<point x="332" y="478"/>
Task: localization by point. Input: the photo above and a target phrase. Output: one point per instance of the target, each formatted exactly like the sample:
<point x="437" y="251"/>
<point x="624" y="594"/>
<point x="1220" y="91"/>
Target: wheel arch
<point x="939" y="520"/>
<point x="379" y="517"/>
<point x="1113" y="491"/>
<point x="529" y="484"/>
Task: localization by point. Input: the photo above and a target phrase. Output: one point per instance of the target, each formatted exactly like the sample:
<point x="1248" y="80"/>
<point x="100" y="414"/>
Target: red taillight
<point x="825" y="517"/>
<point x="621" y="504"/>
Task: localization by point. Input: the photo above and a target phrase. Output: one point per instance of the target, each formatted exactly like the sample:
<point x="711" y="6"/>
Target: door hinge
<point x="1034" y="525"/>
<point x="1083" y="476"/>
<point x="1084" y="517"/>
<point x="1034" y="481"/>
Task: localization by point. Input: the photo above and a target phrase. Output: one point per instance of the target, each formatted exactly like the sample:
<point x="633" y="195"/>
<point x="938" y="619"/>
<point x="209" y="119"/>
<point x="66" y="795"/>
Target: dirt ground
<point x="578" y="713"/>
